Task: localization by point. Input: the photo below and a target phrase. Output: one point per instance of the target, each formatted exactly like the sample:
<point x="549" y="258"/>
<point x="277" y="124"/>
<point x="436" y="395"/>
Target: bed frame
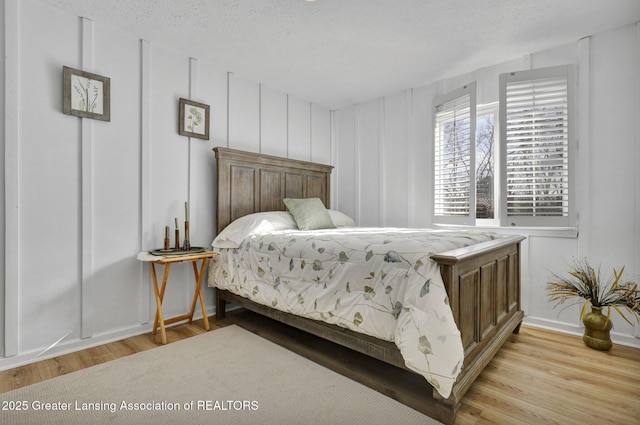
<point x="483" y="280"/>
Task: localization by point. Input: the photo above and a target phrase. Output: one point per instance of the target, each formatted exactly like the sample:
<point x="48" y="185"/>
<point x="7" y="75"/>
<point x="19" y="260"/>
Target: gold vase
<point x="596" y="330"/>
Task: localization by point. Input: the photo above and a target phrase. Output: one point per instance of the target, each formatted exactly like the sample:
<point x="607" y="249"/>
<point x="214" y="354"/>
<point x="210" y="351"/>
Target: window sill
<point x="547" y="232"/>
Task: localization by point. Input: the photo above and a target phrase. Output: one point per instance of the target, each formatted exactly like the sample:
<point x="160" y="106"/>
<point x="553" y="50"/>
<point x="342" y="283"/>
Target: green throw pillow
<point x="309" y="213"/>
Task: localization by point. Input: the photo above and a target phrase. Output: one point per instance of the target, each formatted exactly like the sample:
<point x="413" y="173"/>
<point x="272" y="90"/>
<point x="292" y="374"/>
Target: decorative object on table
<point x="585" y="282"/>
<point x="186" y="246"/>
<point x="166" y="239"/>
<point x="177" y="233"/>
<point x="85" y="94"/>
<point x="193" y="119"/>
<point x="171" y="252"/>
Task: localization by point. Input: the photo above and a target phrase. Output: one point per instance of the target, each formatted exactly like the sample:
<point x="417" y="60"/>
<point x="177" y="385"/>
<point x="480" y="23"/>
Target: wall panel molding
<point x="194" y="86"/>
<point x="146" y="240"/>
<point x="358" y="162"/>
<point x="382" y="215"/>
<point x="334" y="129"/>
<point x="636" y="328"/>
<point x="193" y="94"/>
<point x="288" y="113"/>
<point x="310" y="131"/>
<point x="86" y="229"/>
<point x="228" y="117"/>
<point x="12" y="171"/>
<point x="260" y="112"/>
<point x="583" y="163"/>
<point x="411" y="155"/>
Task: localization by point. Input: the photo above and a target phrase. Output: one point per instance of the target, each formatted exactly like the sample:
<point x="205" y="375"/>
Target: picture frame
<point x="85" y="94"/>
<point x="193" y="119"/>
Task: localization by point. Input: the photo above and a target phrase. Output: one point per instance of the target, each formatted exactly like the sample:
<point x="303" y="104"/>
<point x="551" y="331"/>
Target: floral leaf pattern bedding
<point x="377" y="281"/>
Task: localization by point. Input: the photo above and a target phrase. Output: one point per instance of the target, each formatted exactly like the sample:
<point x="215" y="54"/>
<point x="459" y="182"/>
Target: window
<point x="486" y="164"/>
<point x="454" y="159"/>
<point x="521" y="178"/>
<point x="535" y="114"/>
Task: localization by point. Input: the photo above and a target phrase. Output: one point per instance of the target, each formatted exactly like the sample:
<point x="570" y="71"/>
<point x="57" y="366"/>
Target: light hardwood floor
<point x="539" y="377"/>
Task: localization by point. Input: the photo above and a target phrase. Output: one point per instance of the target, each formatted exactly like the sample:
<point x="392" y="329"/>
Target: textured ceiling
<point x="341" y="52"/>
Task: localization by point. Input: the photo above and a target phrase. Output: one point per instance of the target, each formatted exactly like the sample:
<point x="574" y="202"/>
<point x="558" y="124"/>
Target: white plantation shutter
<point x="454" y="157"/>
<point x="535" y="151"/>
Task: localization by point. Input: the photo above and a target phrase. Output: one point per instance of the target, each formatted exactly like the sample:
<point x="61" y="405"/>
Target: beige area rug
<point x="226" y="376"/>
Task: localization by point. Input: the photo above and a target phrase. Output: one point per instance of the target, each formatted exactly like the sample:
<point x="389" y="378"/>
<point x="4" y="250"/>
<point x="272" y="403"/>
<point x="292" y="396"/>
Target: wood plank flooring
<point x="539" y="377"/>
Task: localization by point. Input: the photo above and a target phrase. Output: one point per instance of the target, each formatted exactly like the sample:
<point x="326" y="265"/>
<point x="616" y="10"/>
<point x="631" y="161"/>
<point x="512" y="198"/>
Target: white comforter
<point x="377" y="281"/>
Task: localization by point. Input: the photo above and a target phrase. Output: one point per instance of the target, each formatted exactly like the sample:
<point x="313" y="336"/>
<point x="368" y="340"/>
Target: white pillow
<point x="340" y="219"/>
<point x="233" y="235"/>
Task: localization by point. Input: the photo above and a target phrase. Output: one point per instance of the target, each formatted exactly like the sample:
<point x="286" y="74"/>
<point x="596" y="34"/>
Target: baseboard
<point x="66" y="347"/>
<point x="80" y="344"/>
<point x="563" y="327"/>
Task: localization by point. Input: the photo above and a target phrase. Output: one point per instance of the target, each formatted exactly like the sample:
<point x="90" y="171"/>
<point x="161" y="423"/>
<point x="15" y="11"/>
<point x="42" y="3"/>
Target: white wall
<point x="395" y="132"/>
<point x="83" y="197"/>
<point x="6" y="152"/>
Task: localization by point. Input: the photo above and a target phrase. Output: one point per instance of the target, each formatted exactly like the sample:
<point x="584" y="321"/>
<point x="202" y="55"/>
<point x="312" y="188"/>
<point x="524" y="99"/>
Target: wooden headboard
<point x="251" y="182"/>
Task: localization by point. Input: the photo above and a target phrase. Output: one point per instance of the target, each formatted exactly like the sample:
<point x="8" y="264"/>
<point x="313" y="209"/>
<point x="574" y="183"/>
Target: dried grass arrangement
<point x="586" y="282"/>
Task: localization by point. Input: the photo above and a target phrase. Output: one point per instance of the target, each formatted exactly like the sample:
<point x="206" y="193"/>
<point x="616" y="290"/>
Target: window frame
<point x="486" y="109"/>
<point x="466" y="90"/>
<point x="568" y="221"/>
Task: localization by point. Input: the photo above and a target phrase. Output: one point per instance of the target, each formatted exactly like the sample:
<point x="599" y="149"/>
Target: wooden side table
<point x="167" y="261"/>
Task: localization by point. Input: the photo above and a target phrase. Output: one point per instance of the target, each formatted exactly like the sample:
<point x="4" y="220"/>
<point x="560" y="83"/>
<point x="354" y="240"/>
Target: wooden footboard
<point x="483" y="283"/>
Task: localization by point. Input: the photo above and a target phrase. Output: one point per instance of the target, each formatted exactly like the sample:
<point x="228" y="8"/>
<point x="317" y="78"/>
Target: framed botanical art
<point x="194" y="119"/>
<point x="85" y="94"/>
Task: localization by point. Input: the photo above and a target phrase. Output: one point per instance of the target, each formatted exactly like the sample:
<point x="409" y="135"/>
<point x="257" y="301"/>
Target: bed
<point x="478" y="282"/>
